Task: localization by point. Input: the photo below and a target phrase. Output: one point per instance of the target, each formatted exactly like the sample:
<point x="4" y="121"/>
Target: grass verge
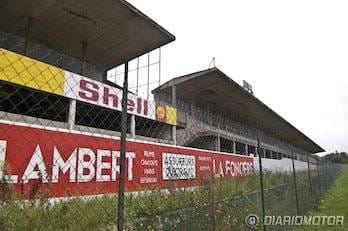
<point x="334" y="203"/>
<point x="210" y="204"/>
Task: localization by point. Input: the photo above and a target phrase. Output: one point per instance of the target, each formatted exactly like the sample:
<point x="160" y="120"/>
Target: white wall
<point x="283" y="165"/>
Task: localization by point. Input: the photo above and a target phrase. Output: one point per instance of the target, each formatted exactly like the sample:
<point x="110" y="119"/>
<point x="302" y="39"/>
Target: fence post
<point x="261" y="183"/>
<point x="326" y="175"/>
<point x="121" y="186"/>
<point x="295" y="182"/>
<point x="309" y="177"/>
<point x="319" y="177"/>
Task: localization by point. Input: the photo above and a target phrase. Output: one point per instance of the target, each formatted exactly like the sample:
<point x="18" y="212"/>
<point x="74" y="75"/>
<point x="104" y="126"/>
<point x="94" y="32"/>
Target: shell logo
<point x="161" y="112"/>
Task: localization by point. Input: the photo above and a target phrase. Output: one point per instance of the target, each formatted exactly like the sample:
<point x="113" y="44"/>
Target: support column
<point x="192" y="106"/>
<point x="137" y="89"/>
<point x="27" y="36"/>
<point x="132" y="126"/>
<point x="174" y="105"/>
<point x="234" y="147"/>
<point x="218" y="144"/>
<point x="210" y="119"/>
<point x="218" y="139"/>
<point x="159" y="67"/>
<point x="72" y="113"/>
<point x="174" y="134"/>
<point x="148" y="76"/>
<point x="246" y="150"/>
<point x="83" y="57"/>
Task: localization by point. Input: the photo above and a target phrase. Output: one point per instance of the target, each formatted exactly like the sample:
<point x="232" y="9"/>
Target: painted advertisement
<point x="24" y="71"/>
<point x="62" y="162"/>
<point x="178" y="167"/>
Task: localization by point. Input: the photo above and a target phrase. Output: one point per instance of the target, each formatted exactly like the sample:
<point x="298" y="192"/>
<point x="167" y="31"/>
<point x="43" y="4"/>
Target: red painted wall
<point x="62" y="163"/>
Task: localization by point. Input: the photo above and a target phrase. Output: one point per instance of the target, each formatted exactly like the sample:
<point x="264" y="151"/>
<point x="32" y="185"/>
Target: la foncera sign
<point x="63" y="163"/>
<point x="24" y="71"/>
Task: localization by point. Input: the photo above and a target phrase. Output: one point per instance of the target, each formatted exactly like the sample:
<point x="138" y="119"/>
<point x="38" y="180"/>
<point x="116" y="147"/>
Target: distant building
<point x="216" y="113"/>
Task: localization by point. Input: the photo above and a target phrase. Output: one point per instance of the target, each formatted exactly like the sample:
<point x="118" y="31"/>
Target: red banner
<point x="61" y="162"/>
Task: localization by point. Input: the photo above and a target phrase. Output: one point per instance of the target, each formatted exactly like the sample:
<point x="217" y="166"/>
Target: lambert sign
<point x="61" y="162"/>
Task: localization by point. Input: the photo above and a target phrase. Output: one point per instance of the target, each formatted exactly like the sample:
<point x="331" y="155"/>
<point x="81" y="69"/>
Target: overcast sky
<point x="294" y="54"/>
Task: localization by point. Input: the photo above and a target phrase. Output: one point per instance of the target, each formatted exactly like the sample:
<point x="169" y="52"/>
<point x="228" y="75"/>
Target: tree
<point x="338" y="157"/>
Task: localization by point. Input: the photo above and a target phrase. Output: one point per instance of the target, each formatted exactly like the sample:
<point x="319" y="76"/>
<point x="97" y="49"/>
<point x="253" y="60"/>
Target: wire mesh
<point x="188" y="166"/>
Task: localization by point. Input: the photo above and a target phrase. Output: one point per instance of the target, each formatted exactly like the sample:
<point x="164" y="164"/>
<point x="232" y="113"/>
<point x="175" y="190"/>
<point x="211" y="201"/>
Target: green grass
<point x="334" y="203"/>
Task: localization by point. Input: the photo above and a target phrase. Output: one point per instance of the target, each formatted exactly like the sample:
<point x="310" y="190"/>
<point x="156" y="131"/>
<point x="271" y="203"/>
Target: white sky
<point x="294" y="54"/>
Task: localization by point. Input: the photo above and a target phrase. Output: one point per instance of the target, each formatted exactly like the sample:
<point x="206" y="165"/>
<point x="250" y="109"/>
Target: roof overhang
<point x="113" y="30"/>
<point x="215" y="87"/>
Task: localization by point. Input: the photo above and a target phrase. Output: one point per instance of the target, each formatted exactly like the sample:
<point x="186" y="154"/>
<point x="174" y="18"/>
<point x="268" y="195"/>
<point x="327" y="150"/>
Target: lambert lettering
<point x="82" y="165"/>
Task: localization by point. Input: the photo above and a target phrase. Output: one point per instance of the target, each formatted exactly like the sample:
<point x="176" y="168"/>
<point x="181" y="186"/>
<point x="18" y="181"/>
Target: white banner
<point x="178" y="167"/>
<point x="94" y="92"/>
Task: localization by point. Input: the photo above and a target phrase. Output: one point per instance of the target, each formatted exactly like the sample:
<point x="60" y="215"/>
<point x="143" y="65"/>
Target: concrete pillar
<point x="246" y="150"/>
<point x="192" y="106"/>
<point x="234" y="146"/>
<point x="132" y="126"/>
<point x="148" y="76"/>
<point x="209" y="122"/>
<point x="218" y="143"/>
<point x="83" y="57"/>
<point x="174" y="105"/>
<point x="72" y="114"/>
<point x="218" y="139"/>
<point x="174" y="134"/>
<point x="28" y="36"/>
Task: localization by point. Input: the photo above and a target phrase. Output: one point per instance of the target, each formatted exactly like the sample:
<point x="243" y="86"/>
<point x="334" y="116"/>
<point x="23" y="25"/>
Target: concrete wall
<point x="283" y="165"/>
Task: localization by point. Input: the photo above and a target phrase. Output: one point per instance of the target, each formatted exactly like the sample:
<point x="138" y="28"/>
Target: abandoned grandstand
<point x="58" y="107"/>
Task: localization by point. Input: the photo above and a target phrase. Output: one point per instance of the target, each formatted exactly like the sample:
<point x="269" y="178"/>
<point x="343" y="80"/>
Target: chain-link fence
<point x="79" y="152"/>
<point x="230" y="213"/>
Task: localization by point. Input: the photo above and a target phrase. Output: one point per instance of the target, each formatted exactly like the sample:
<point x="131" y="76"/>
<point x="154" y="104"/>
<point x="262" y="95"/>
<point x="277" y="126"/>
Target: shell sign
<point x="166" y="114"/>
<point x="27" y="72"/>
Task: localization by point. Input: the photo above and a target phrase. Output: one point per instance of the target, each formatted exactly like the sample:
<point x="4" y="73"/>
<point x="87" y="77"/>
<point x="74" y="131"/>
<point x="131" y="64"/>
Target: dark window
<point x="274" y="155"/>
<point x="268" y="154"/>
<point x="25" y="101"/>
<point x="240" y="148"/>
<point x="226" y="145"/>
<point x="251" y="150"/>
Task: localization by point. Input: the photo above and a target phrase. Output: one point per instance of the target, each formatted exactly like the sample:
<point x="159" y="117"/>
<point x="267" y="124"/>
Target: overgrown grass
<point x="334" y="203"/>
<point x="99" y="213"/>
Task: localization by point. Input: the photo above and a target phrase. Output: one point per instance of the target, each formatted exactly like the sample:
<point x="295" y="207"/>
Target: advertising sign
<point x="178" y="167"/>
<point x="94" y="92"/>
<point x="24" y="71"/>
<point x="62" y="162"/>
<point x="166" y="114"/>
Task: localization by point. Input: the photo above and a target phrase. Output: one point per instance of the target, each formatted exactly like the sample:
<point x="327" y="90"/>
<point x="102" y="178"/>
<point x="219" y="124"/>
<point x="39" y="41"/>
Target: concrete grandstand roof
<point x="213" y="86"/>
<point x="113" y="30"/>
